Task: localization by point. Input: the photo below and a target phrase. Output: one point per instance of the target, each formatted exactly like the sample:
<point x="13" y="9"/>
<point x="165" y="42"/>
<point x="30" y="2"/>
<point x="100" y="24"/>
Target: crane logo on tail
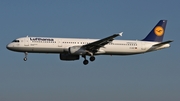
<point x="159" y="31"/>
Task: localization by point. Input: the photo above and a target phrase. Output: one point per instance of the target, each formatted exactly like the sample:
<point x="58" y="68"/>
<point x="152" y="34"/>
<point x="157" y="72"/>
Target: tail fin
<point x="157" y="32"/>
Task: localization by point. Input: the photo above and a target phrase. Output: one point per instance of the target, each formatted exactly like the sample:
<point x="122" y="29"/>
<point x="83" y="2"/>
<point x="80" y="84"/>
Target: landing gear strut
<point x="85" y="62"/>
<point x="25" y="58"/>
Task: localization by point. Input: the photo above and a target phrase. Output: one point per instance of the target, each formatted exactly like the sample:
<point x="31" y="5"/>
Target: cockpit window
<point x="15" y="41"/>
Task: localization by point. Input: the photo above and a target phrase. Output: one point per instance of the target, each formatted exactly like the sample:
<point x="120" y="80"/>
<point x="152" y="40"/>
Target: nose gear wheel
<point x="25" y="58"/>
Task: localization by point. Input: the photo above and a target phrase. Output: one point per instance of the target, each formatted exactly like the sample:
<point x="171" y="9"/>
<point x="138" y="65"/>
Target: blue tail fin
<point x="157" y="32"/>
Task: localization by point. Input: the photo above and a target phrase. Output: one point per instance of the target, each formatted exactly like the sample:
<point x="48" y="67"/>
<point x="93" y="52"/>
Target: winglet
<point x="120" y="34"/>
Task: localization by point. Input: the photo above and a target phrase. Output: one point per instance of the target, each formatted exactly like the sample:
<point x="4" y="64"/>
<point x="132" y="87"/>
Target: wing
<point x="94" y="46"/>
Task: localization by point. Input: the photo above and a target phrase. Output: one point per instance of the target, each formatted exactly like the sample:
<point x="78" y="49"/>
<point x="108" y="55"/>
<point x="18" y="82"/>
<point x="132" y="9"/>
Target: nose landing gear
<point x="25" y="58"/>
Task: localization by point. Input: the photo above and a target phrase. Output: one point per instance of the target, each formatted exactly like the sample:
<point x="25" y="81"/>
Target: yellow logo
<point x="159" y="31"/>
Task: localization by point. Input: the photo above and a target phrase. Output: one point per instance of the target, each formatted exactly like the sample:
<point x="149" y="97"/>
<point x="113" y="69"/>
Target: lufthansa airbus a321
<point x="72" y="48"/>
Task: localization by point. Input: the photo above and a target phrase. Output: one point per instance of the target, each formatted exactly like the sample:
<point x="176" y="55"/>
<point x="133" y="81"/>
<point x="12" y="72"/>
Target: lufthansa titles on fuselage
<point x="41" y="39"/>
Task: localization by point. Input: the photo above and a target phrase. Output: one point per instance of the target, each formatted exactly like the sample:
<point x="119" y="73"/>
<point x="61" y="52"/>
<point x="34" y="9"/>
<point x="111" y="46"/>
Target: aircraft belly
<point x="47" y="50"/>
<point x="38" y="49"/>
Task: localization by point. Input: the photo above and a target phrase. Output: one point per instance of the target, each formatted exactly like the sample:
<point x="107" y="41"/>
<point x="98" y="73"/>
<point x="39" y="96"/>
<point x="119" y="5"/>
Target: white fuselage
<point x="61" y="45"/>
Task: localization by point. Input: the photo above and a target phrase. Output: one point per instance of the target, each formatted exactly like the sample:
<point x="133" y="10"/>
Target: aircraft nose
<point x="9" y="46"/>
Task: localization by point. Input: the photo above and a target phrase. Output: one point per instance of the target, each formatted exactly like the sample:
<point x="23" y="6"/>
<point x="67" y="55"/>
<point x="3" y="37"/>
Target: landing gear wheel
<point x="92" y="58"/>
<point x="85" y="62"/>
<point x="25" y="59"/>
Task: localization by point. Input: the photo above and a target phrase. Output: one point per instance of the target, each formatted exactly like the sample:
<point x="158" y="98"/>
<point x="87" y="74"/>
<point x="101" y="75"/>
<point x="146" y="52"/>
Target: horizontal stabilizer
<point x="163" y="43"/>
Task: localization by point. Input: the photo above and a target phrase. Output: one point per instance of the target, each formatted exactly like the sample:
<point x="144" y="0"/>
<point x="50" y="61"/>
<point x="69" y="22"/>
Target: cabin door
<point x="59" y="43"/>
<point x="143" y="46"/>
<point x="26" y="42"/>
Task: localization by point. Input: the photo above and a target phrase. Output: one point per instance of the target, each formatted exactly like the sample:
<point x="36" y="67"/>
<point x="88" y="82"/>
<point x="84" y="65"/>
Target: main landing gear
<point x="92" y="58"/>
<point x="85" y="62"/>
<point x="25" y="58"/>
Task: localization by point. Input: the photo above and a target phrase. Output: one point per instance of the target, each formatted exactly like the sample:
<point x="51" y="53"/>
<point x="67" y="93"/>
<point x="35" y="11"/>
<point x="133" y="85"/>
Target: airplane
<point x="72" y="48"/>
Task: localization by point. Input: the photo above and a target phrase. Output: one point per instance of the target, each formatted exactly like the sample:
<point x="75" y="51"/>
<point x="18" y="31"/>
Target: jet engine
<point x="68" y="57"/>
<point x="77" y="50"/>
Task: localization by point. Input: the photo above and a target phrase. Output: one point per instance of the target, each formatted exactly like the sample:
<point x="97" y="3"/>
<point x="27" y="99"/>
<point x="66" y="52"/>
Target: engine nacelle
<point x="77" y="50"/>
<point x="68" y="57"/>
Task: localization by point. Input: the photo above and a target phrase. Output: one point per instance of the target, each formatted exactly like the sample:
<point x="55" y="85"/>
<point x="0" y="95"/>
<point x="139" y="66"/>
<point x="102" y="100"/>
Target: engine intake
<point x="77" y="50"/>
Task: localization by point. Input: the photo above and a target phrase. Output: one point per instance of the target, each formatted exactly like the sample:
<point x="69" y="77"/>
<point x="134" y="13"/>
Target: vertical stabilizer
<point x="157" y="33"/>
